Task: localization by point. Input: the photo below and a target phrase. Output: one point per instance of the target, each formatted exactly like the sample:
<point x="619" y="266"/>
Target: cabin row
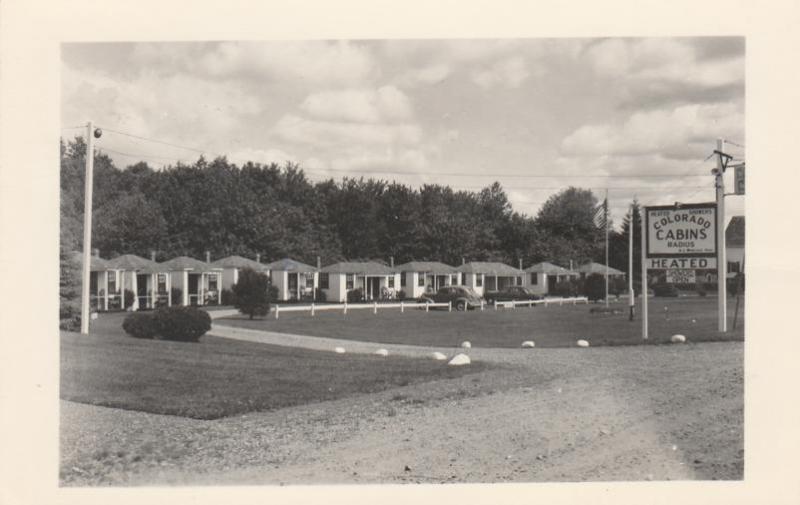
<point x="188" y="281"/>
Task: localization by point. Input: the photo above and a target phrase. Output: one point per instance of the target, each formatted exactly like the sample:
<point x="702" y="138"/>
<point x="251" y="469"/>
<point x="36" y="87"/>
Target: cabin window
<point x="733" y="267"/>
<point x="454" y="279"/>
<point x="420" y="279"/>
<point x="391" y="281"/>
<point x="463" y="279"/>
<point x="324" y="281"/>
<point x="519" y="281"/>
<point x="212" y="282"/>
<point x="310" y="281"/>
<point x="479" y="280"/>
<point x="403" y="280"/>
<point x="349" y="280"/>
<point x="161" y="282"/>
<point x="534" y="279"/>
<point x="112" y="282"/>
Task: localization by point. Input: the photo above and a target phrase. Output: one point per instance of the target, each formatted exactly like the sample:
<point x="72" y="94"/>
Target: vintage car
<point x="462" y="297"/>
<point x="511" y="293"/>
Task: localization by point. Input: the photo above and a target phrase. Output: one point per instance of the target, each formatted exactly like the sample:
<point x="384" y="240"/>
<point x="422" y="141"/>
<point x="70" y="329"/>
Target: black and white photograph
<point x="473" y="260"/>
<point x="402" y="261"/>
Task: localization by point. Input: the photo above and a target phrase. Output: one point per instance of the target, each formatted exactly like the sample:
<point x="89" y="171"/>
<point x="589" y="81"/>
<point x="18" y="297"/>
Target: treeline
<point x="276" y="211"/>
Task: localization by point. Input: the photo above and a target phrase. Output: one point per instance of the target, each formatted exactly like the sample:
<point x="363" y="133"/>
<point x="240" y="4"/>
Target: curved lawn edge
<point x="219" y="329"/>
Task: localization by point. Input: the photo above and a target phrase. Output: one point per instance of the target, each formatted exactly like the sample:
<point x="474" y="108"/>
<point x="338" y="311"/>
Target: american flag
<point x="601" y="214"/>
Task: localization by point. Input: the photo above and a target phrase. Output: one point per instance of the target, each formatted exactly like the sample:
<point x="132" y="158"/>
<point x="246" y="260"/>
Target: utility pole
<point x="87" y="228"/>
<point x="630" y="266"/>
<point x="722" y="264"/>
<point x="605" y="218"/>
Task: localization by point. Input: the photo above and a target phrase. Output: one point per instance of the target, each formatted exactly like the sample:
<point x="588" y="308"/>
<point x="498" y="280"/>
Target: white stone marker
<point x="528" y="344"/>
<point x="677" y="339"/>
<point x="339" y="350"/>
<point x="459" y="359"/>
<point x="439" y="356"/>
<point x="583" y="343"/>
<point x="382" y="352"/>
<point x="465" y="344"/>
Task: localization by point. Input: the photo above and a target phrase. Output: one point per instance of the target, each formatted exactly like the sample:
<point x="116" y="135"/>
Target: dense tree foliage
<point x="277" y="211"/>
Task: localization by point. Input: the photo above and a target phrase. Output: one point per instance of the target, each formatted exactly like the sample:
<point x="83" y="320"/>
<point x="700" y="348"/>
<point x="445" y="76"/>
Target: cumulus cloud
<point x="386" y="103"/>
<point x="313" y="62"/>
<point x="509" y="73"/>
<point x="671" y="132"/>
<point x="156" y="105"/>
<point x="661" y="71"/>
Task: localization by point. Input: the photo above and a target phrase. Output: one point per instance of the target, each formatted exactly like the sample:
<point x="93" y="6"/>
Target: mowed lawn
<point x="552" y="326"/>
<point x="220" y="377"/>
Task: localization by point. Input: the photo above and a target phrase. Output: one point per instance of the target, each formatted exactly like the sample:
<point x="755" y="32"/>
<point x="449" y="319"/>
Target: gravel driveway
<point x="611" y="413"/>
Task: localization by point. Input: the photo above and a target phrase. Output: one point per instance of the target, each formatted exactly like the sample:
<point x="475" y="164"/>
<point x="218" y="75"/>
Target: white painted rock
<point x="459" y="359"/>
<point x="438" y="356"/>
<point x="382" y="352"/>
<point x="339" y="350"/>
<point x="528" y="343"/>
<point x="694" y="320"/>
<point x="677" y="339"/>
<point x="465" y="344"/>
<point x="583" y="343"/>
<point x="93" y="316"/>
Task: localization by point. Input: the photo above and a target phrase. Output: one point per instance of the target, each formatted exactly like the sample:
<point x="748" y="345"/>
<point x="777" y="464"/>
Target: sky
<point x="636" y="117"/>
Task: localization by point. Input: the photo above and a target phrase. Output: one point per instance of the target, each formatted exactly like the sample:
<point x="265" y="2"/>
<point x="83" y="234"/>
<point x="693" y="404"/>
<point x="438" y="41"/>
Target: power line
<point x="464" y="174"/>
<point x="136" y="155"/>
<point x="726" y="141"/>
<point x="201" y="151"/>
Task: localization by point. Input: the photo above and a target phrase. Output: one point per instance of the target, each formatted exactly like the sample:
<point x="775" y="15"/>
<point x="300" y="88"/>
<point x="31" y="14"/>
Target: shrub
<point x="130" y="296"/>
<point x="700" y="288"/>
<point x="140" y="325"/>
<point x="272" y="293"/>
<point x="228" y="297"/>
<point x="251" y="293"/>
<point x="176" y="295"/>
<point x="401" y="295"/>
<point x="183" y="324"/>
<point x="617" y="286"/>
<point x="70" y="323"/>
<point x="566" y="288"/>
<point x="665" y="289"/>
<point x="355" y="295"/>
<point x="595" y="287"/>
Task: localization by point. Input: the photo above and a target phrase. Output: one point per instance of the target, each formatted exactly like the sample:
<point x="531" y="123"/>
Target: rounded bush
<point x="183" y="324"/>
<point x="140" y="325"/>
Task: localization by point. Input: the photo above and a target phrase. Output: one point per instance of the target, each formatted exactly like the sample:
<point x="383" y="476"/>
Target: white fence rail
<point x="344" y="307"/>
<point x="546" y="301"/>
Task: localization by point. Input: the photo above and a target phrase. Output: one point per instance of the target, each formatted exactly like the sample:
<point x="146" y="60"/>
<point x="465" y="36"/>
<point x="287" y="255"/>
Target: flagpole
<point x="605" y="212"/>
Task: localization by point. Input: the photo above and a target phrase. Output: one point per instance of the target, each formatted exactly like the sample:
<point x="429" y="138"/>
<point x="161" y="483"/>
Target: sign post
<point x="679" y="238"/>
<point x="644" y="274"/>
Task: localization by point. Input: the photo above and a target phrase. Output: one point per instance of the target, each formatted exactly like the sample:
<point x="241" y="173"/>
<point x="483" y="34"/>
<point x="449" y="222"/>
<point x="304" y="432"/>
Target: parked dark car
<point x="462" y="297"/>
<point x="511" y="293"/>
<point x="665" y="289"/>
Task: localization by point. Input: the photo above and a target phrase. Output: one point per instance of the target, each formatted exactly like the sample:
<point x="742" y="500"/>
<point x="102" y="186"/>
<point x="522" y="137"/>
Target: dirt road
<point x="614" y="413"/>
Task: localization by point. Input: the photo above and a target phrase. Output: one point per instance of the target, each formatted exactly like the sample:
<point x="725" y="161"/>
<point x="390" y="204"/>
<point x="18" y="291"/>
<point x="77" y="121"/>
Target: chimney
<point x="258" y="257"/>
<point x="208" y="256"/>
<point x="152" y="255"/>
<point x="463" y="261"/>
<point x="319" y="262"/>
<point x="96" y="253"/>
<point x="520" y="263"/>
<point x="391" y="261"/>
